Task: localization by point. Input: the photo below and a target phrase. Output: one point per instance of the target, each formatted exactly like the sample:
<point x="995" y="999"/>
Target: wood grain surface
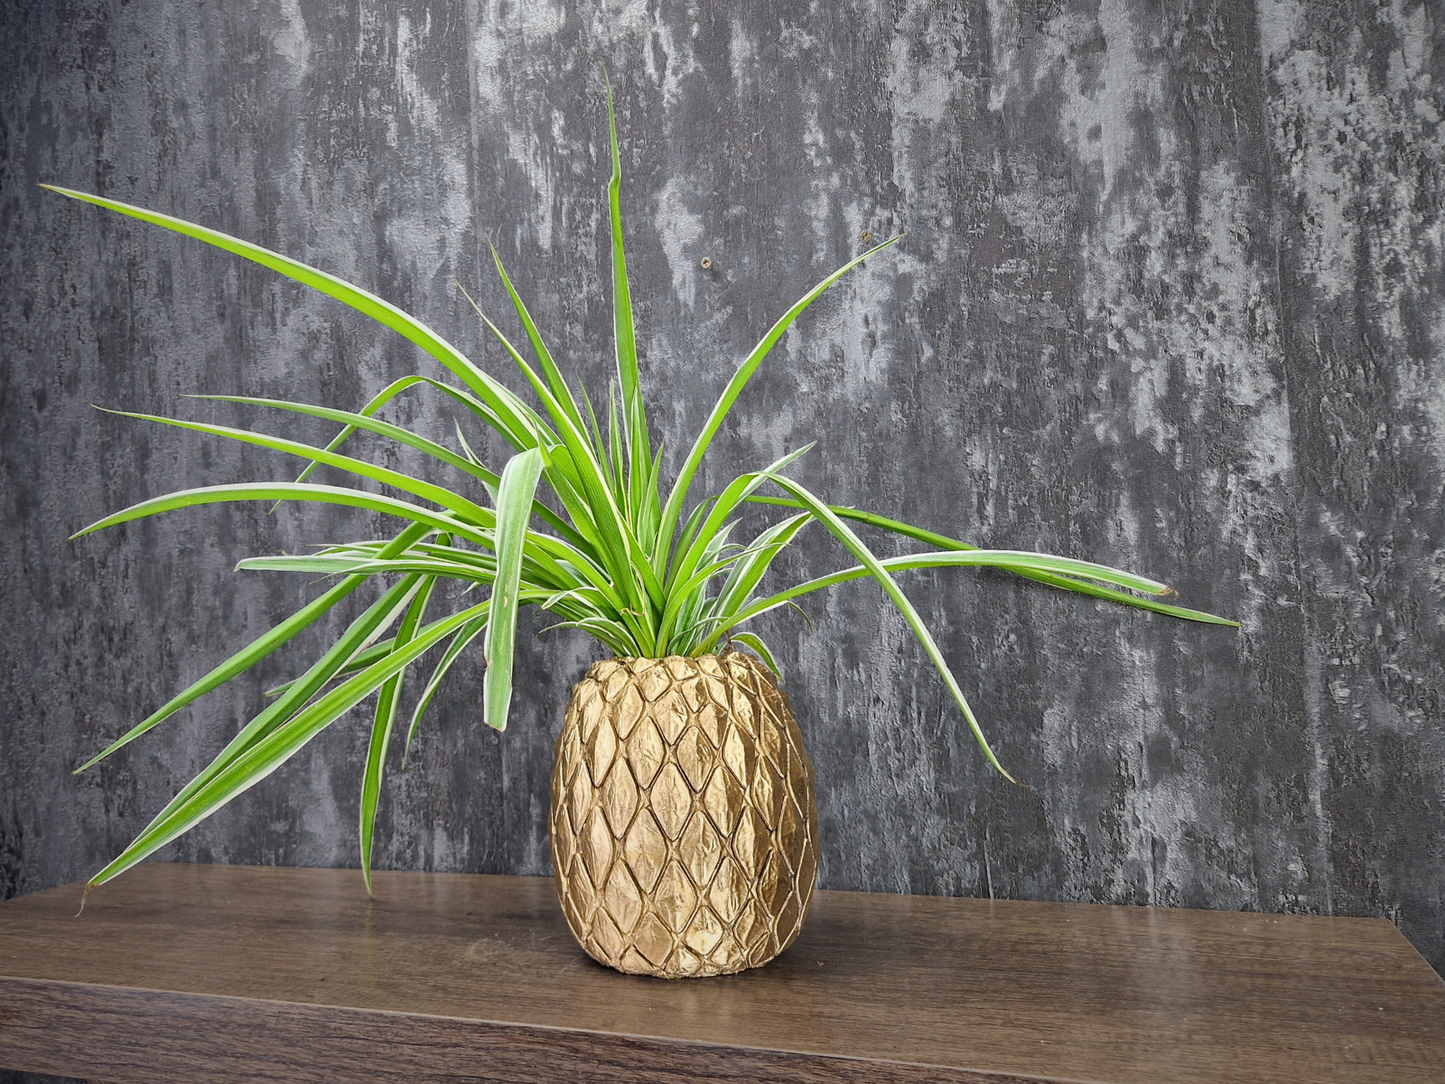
<point x="181" y="972"/>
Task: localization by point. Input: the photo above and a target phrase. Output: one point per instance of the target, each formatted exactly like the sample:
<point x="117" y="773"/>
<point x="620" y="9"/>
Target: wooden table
<point x="221" y="974"/>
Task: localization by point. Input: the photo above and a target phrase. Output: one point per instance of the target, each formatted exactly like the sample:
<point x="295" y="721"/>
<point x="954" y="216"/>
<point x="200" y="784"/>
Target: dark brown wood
<point x="186" y="973"/>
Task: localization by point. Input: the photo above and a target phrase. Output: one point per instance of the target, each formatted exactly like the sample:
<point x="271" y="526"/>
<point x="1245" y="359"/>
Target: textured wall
<point x="1171" y="298"/>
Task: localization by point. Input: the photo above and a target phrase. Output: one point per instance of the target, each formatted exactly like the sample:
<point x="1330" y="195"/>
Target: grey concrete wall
<point x="1171" y="298"/>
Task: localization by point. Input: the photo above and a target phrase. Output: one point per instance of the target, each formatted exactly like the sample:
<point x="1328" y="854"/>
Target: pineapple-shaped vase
<point x="684" y="827"/>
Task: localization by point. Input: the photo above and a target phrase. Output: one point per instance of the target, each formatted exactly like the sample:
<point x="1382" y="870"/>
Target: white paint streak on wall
<point x="427" y="231"/>
<point x="288" y="38"/>
<point x="681" y="230"/>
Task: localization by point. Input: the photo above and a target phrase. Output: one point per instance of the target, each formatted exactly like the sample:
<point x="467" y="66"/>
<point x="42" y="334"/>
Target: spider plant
<point x="643" y="567"/>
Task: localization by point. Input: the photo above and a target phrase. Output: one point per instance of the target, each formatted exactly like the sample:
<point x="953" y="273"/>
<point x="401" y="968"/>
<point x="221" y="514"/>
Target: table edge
<point x="797" y="1064"/>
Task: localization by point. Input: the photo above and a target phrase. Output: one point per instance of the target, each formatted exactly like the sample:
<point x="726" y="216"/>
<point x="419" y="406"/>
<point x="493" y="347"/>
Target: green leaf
<point x="685" y="601"/>
<point x="359" y="661"/>
<point x="694" y="601"/>
<point x="362" y="420"/>
<point x="254" y="652"/>
<point x="704" y="545"/>
<point x="383" y="720"/>
<point x="375" y="403"/>
<point x="613" y="634"/>
<point x="514" y="507"/>
<point x="1020" y="561"/>
<point x="268" y="754"/>
<point x="288" y="491"/>
<point x="464" y="636"/>
<point x="358" y="636"/>
<point x="747" y="639"/>
<point x="617" y="444"/>
<point x="650" y="513"/>
<point x="598" y="443"/>
<point x="639" y="445"/>
<point x="508" y="407"/>
<point x="690" y="529"/>
<point x="855" y="545"/>
<point x="619" y="550"/>
<point x="448" y="499"/>
<point x="561" y="393"/>
<point x="746" y="574"/>
<point x="737" y="490"/>
<point x="1064" y="583"/>
<point x="678" y="496"/>
<point x="543" y="548"/>
<point x="369" y="566"/>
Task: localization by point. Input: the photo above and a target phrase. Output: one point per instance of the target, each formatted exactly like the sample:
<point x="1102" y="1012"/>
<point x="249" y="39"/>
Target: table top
<point x="174" y="961"/>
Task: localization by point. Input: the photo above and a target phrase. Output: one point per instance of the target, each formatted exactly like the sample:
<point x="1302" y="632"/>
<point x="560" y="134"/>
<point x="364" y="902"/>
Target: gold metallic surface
<point x="684" y="827"/>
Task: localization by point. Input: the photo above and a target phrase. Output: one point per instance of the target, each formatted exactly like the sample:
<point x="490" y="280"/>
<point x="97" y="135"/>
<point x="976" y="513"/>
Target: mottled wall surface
<point x="1171" y="298"/>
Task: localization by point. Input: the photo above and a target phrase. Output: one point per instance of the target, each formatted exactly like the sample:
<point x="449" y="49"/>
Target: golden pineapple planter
<point x="684" y="827"/>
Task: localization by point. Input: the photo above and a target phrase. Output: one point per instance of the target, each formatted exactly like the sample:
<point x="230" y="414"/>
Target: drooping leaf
<point x="383" y="719"/>
<point x="417" y="487"/>
<point x="270" y="752"/>
<point x="359" y="635"/>
<point x="900" y="601"/>
<point x="254" y="652"/>
<point x="756" y="645"/>
<point x="514" y="506"/>
<point x="1064" y="583"/>
<point x="352" y="422"/>
<point x="1021" y="561"/>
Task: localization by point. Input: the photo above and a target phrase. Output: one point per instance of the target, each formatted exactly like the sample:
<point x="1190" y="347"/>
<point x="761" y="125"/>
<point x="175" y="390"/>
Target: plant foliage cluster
<point x="615" y="553"/>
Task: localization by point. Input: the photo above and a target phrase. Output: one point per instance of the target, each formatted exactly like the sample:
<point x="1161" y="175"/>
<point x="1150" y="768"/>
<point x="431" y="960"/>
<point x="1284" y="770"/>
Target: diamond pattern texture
<point x="684" y="827"/>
